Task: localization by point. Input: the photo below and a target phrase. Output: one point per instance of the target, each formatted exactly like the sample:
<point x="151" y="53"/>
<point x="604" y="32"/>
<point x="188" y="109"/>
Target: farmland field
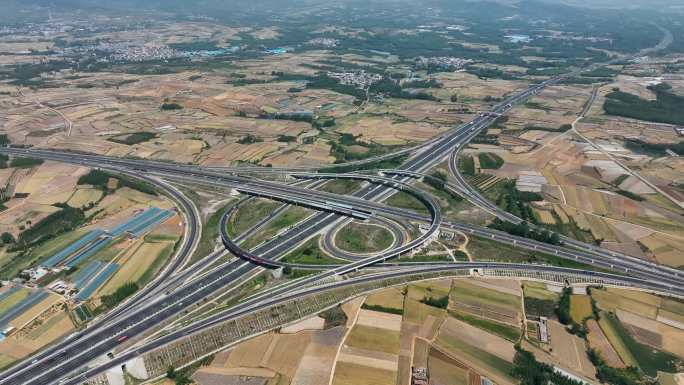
<point x="538" y="290"/>
<point x="609" y="329"/>
<point x="580" y="307"/>
<point x="375" y="339"/>
<point x="649" y="360"/>
<point x="391" y="298"/>
<point x="611" y="300"/>
<point x="443" y="370"/>
<point x="355" y="374"/>
<point x="84" y="196"/>
<point x="480" y="301"/>
<point x="417" y="312"/>
<point x="473" y="355"/>
<point x="138" y="265"/>
<point x="597" y="340"/>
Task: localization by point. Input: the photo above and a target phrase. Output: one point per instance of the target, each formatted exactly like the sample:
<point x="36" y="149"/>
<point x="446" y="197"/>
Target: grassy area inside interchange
<point x="358" y="237"/>
<point x="310" y="253"/>
<point x="249" y="214"/>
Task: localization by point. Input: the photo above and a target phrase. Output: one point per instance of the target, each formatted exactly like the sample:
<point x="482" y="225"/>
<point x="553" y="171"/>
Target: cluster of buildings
<point x="131" y="52"/>
<point x="359" y="79"/>
<point x="443" y="62"/>
<point x="143" y="53"/>
<point x="679" y="130"/>
<point x="127" y="52"/>
<point x="326" y="42"/>
<point x="419" y="376"/>
<point x="518" y="38"/>
<point x="48" y="29"/>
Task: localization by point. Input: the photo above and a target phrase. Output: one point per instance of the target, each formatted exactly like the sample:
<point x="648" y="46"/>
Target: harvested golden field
<point x="538" y="290"/>
<point x="49" y="179"/>
<point x="134" y="267"/>
<point x="421" y="348"/>
<point x="391" y="298"/>
<point x="671" y="318"/>
<point x="317" y="362"/>
<point x="670" y="379"/>
<point x="495" y="367"/>
<point x="545" y="216"/>
<point x="444" y="370"/>
<point x="383" y="130"/>
<point x="471" y="87"/>
<point x="466" y="333"/>
<point x="379" y="320"/>
<point x="279" y="353"/>
<point x="374" y="339"/>
<point x="617" y="342"/>
<point x="435" y="289"/>
<point x="84" y="196"/>
<point x="638" y="303"/>
<point x="666" y="250"/>
<point x="580" y="307"/>
<point x="653" y="333"/>
<point x="417" y="312"/>
<point x="569" y="350"/>
<point x="35" y="311"/>
<point x="314" y="154"/>
<point x="505" y="286"/>
<point x="600" y="229"/>
<point x="52" y="328"/>
<point x="354" y="374"/>
<point x="368" y="358"/>
<point x="482" y="301"/>
<point x="597" y="340"/>
<point x="250" y="352"/>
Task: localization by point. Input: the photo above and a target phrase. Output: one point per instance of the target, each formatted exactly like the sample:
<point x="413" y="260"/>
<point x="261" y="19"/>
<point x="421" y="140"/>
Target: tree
<point x="7" y="238"/>
<point x="454" y="98"/>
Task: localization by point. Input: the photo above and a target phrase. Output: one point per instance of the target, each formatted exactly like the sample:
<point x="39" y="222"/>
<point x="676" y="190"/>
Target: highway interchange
<point x="181" y="285"/>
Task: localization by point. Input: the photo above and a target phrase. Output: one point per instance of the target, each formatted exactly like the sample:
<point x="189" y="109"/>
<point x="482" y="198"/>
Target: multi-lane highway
<point x="133" y="321"/>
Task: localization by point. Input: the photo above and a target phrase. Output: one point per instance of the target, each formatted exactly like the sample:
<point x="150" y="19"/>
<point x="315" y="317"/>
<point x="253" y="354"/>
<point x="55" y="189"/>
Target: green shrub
<point x="124" y="291"/>
<point x="490" y="160"/>
<point x="171" y="106"/>
<point x="441" y="302"/>
<point x="466" y="165"/>
<point x="25" y="162"/>
<point x="667" y="108"/>
<point x="58" y="222"/>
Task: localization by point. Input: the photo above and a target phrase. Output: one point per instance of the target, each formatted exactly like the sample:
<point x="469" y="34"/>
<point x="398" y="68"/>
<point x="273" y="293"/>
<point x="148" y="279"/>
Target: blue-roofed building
<point x="101" y="277"/>
<point x="134" y="221"/>
<point x="57" y="258"/>
<point x="86" y="274"/>
<point x="143" y="227"/>
<point x="89" y="251"/>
